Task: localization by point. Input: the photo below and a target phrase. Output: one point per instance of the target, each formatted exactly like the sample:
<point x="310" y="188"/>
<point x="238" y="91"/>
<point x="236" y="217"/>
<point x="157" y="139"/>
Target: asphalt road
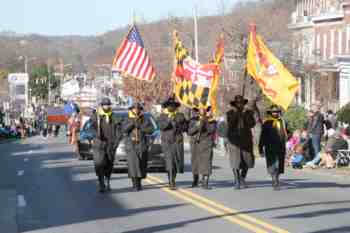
<point x="57" y="193"/>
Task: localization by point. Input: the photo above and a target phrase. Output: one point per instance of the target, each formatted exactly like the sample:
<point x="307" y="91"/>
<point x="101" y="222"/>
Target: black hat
<point x="171" y="102"/>
<point x="106" y="101"/>
<point x="238" y="99"/>
<point x="274" y="109"/>
<point x="136" y="105"/>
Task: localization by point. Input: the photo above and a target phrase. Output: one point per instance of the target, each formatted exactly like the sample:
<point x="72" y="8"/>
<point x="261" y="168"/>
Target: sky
<point x="93" y="17"/>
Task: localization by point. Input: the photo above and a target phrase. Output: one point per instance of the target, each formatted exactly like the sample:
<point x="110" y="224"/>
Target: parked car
<point x="86" y="138"/>
<point x="156" y="158"/>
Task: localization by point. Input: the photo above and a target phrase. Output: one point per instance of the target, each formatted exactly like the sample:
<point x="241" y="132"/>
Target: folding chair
<point x="343" y="158"/>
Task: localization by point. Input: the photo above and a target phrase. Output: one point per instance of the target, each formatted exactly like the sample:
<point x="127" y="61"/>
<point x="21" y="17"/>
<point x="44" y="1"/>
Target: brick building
<point x="321" y="39"/>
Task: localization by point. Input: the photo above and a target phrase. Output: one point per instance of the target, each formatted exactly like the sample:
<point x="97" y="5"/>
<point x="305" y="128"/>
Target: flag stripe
<point x="140" y="62"/>
<point x="125" y="60"/>
<point x="131" y="58"/>
<point x="138" y="53"/>
<point x="123" y="55"/>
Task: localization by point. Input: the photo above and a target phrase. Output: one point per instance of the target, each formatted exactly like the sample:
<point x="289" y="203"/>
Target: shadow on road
<point x="333" y="230"/>
<point x="55" y="198"/>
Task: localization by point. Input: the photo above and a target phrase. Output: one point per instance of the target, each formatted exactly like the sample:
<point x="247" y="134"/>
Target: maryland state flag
<point x="277" y="83"/>
<point x="195" y="84"/>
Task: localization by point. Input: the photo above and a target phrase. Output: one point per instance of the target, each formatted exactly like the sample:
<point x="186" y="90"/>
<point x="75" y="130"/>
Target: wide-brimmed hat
<point x="136" y="106"/>
<point x="106" y="101"/>
<point x="273" y="109"/>
<point x="239" y="99"/>
<point x="171" y="102"/>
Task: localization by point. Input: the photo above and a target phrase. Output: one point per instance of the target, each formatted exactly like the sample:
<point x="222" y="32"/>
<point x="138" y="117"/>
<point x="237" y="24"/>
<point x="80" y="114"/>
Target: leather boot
<point x="277" y="184"/>
<point x="133" y="180"/>
<point x="244" y="173"/>
<point x="108" y="182"/>
<point x="138" y="184"/>
<point x="205" y="182"/>
<point x="169" y="179"/>
<point x="237" y="179"/>
<point x="173" y="183"/>
<point x="101" y="182"/>
<point x="195" y="181"/>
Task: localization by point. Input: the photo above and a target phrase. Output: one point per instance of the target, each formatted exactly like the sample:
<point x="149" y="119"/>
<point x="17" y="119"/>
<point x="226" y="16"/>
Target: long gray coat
<point x="172" y="130"/>
<point x="137" y="149"/>
<point x="202" y="144"/>
<point x="273" y="144"/>
<point x="240" y="139"/>
<point x="108" y="136"/>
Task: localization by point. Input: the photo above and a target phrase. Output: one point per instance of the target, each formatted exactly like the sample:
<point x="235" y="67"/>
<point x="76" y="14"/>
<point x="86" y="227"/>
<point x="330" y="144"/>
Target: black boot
<point x="138" y="184"/>
<point x="173" y="182"/>
<point x="244" y="173"/>
<point x="102" y="186"/>
<point x="195" y="181"/>
<point x="205" y="182"/>
<point x="277" y="184"/>
<point x="237" y="179"/>
<point x="169" y="179"/>
<point x="133" y="180"/>
<point x="108" y="182"/>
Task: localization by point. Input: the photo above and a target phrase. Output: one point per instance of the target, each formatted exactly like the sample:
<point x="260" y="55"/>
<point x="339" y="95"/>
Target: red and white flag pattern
<point x="131" y="58"/>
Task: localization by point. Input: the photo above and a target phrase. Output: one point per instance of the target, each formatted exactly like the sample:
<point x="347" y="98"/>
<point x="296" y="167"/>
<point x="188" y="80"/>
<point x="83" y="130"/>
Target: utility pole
<point x="196" y="33"/>
<point x="49" y="81"/>
<point x="25" y="64"/>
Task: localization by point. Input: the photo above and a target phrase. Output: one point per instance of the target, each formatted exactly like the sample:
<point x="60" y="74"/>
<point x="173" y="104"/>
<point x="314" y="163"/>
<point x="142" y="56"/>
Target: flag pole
<point x="195" y="32"/>
<point x="136" y="80"/>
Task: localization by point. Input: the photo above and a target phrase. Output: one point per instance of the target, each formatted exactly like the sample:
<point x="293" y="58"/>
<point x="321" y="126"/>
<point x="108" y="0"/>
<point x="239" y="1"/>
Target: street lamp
<point x="26" y="61"/>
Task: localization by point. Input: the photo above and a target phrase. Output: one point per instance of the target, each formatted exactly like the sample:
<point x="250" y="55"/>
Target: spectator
<point x="294" y="140"/>
<point x="330" y="120"/>
<point x="297" y="159"/>
<point x="335" y="143"/>
<point x="315" y="129"/>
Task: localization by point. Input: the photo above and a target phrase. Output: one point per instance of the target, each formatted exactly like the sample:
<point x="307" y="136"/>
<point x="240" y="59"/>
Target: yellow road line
<point x="226" y="210"/>
<point x="216" y="212"/>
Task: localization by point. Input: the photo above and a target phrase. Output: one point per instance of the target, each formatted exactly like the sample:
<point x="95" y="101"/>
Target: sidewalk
<point x="8" y="211"/>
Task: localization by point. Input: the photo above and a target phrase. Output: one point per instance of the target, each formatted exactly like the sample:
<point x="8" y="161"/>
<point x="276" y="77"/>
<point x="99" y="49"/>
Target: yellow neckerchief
<point x="132" y="114"/>
<point x="209" y="119"/>
<point x="108" y="114"/>
<point x="277" y="123"/>
<point x="169" y="114"/>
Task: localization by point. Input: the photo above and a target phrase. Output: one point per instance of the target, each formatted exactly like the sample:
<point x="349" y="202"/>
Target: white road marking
<point x="20" y="173"/>
<point x="26" y="160"/>
<point x="21" y="202"/>
<point x="30" y="152"/>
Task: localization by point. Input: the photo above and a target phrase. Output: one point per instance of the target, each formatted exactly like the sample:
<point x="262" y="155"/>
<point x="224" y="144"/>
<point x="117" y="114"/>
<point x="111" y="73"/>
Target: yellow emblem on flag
<point x="276" y="82"/>
<point x="196" y="84"/>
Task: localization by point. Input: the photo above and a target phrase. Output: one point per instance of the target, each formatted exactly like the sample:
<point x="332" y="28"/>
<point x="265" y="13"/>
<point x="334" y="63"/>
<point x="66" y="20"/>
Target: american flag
<point x="131" y="58"/>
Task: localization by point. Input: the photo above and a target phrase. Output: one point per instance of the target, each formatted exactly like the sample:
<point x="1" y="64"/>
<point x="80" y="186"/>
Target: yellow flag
<point x="277" y="83"/>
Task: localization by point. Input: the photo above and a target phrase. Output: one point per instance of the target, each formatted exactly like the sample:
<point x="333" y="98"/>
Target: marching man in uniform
<point x="240" y="122"/>
<point x="202" y="129"/>
<point x="108" y="136"/>
<point x="172" y="125"/>
<point x="272" y="144"/>
<point x="136" y="129"/>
